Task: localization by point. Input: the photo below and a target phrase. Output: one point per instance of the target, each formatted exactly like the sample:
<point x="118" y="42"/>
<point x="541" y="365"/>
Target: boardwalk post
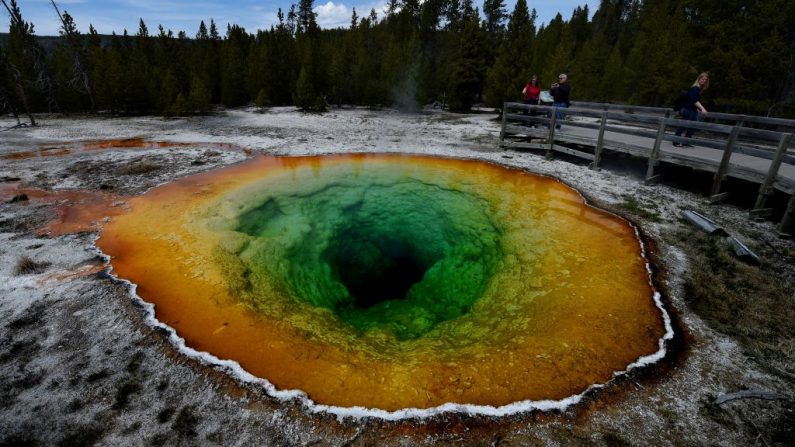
<point x="600" y="142"/>
<point x="788" y="221"/>
<point x="724" y="166"/>
<point x="655" y="152"/>
<point x="504" y="119"/>
<point x="552" y="121"/>
<point x="772" y="173"/>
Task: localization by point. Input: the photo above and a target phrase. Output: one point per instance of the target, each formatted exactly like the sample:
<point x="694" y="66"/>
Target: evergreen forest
<point x="415" y="53"/>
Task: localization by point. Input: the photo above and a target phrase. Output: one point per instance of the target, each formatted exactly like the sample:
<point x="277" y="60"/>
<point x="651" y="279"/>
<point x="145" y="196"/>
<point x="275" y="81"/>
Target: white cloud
<point x="333" y="16"/>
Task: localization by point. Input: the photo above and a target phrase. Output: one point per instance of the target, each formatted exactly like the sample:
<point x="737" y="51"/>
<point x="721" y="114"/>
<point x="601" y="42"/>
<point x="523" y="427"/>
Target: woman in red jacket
<point x="532" y="91"/>
<point x="531" y="94"/>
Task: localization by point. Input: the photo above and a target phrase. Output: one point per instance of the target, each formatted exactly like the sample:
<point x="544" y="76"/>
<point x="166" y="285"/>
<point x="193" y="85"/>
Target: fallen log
<point x="751" y="394"/>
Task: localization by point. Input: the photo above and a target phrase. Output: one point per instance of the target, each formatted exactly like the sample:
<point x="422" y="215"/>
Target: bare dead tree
<point x="22" y="95"/>
<point x="7" y="105"/>
<point x="80" y="80"/>
<point x="43" y="81"/>
<point x="16" y="78"/>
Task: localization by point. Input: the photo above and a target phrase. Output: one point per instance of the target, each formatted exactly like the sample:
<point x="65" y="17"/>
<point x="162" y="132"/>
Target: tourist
<point x="692" y="109"/>
<point x="560" y="95"/>
<point x="532" y="91"/>
<point x="531" y="95"/>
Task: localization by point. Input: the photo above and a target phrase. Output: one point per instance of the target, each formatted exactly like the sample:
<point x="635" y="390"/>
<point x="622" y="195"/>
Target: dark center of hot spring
<point x="399" y="257"/>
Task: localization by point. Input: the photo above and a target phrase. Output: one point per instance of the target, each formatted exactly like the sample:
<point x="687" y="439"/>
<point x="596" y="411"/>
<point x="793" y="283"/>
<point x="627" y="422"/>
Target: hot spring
<point x="392" y="282"/>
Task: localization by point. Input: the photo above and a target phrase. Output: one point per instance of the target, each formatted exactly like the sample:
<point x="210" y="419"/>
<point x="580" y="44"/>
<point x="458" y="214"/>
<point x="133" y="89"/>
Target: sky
<point x="178" y="15"/>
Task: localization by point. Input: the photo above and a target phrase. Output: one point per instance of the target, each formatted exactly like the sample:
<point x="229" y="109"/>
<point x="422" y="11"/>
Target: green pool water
<point x="397" y="255"/>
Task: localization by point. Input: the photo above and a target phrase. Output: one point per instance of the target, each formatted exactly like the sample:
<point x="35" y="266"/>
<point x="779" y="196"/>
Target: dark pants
<point x="690" y="115"/>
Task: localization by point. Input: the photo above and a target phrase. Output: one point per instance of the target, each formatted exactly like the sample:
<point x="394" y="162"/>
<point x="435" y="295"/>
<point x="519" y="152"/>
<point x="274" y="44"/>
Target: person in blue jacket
<point x="693" y="110"/>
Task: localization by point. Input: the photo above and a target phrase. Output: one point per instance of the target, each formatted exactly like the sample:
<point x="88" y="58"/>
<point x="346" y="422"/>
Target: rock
<point x="19" y="198"/>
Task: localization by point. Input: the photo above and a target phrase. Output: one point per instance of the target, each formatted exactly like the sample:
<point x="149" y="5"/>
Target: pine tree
<point x="233" y="62"/>
<point x="312" y="83"/>
<point x="137" y="78"/>
<point x="469" y="66"/>
<point x="343" y="56"/>
<point x="580" y="28"/>
<point x="658" y="60"/>
<point x="202" y="34"/>
<point x="7" y="83"/>
<point x="611" y="18"/>
<point x="17" y="66"/>
<point x="493" y="26"/>
<point x="513" y="64"/>
<point x="399" y="73"/>
<point x="495" y="13"/>
<point x="113" y="94"/>
<point x="307" y="19"/>
<point x="306" y="98"/>
<point x="61" y="64"/>
<point x="282" y="67"/>
<point x="557" y="45"/>
<point x="748" y="47"/>
<point x="199" y="96"/>
<point x="613" y="83"/>
<point x="262" y="101"/>
<point x="75" y="46"/>
<point x="419" y="52"/>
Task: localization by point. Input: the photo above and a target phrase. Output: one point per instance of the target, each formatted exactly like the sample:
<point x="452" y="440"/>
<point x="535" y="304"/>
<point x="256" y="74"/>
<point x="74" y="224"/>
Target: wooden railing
<point x="780" y="124"/>
<point x="647" y="132"/>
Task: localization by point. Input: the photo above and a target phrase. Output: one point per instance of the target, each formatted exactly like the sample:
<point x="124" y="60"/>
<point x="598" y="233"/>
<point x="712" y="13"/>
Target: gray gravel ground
<point x="79" y="366"/>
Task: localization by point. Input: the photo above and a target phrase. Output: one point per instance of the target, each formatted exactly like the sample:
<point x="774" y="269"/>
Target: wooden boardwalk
<point x="728" y="146"/>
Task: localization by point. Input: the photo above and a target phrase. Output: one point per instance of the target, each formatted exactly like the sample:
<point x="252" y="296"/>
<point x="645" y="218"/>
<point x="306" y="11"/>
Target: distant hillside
<point x="49" y="42"/>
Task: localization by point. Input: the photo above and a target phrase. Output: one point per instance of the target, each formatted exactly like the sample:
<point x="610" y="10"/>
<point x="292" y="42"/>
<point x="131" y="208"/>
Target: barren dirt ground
<point x="80" y="366"/>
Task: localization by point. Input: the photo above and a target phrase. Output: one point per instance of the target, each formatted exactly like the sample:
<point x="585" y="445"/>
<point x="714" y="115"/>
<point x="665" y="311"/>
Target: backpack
<point x="680" y="101"/>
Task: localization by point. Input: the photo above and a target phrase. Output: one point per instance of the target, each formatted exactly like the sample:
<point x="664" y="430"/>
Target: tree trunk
<point x="81" y="76"/>
<point x="21" y="92"/>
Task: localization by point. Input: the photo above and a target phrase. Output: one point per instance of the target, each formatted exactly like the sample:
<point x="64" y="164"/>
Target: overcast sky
<point x="117" y="15"/>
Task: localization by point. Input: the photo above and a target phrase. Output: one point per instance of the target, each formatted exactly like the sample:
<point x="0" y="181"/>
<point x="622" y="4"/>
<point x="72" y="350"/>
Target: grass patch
<point x="99" y="375"/>
<point x="135" y="362"/>
<point x="632" y="206"/>
<point x="31" y="316"/>
<point x="708" y="408"/>
<point x="21" y="352"/>
<point x="216" y="438"/>
<point x="75" y="405"/>
<point x="27" y="266"/>
<point x="133" y="428"/>
<point x="186" y="422"/>
<point x="165" y="414"/>
<point x="614" y="439"/>
<point x="159" y="440"/>
<point x="751" y="304"/>
<point x="20" y="440"/>
<point x="782" y="430"/>
<point x="124" y="392"/>
<point x="19" y="198"/>
<point x="82" y="435"/>
<point x="30" y="379"/>
<point x="137" y="168"/>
